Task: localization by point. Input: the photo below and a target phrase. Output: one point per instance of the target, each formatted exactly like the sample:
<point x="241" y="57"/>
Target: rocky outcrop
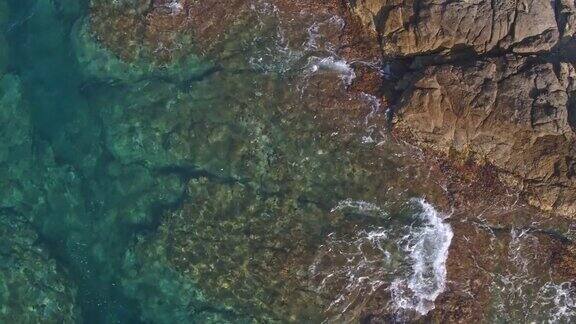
<point x="488" y="81"/>
<point x="416" y="27"/>
<point x="511" y="113"/>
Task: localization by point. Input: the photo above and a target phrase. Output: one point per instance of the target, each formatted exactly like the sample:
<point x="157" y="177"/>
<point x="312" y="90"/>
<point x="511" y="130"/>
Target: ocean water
<point x="215" y="190"/>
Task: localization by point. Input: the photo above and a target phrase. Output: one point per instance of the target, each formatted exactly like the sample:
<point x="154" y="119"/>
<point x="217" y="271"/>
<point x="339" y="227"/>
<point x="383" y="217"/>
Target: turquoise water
<point x="63" y="121"/>
<point x="106" y="157"/>
<point x="211" y="190"/>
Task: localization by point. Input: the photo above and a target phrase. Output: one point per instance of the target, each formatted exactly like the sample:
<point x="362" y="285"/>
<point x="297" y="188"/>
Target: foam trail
<point x="175" y="7"/>
<point x="428" y="251"/>
<point x="360" y="206"/>
<point x="341" y="67"/>
<point x="560" y="300"/>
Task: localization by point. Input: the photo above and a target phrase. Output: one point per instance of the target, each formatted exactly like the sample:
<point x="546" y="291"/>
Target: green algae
<point x="33" y="287"/>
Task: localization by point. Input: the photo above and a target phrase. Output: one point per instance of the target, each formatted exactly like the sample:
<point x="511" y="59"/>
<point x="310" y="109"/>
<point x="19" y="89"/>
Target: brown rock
<point x="512" y="113"/>
<point x="416" y="27"/>
<point x="491" y="265"/>
<point x="566" y="12"/>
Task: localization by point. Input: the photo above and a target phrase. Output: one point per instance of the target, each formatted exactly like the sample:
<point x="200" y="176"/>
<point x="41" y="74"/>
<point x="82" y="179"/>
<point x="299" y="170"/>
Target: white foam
<point x="428" y="251"/>
<point x="407" y="262"/>
<point x="175" y="7"/>
<point x="375" y="105"/>
<point x="314" y="34"/>
<point x="360" y="206"/>
<point x="331" y="64"/>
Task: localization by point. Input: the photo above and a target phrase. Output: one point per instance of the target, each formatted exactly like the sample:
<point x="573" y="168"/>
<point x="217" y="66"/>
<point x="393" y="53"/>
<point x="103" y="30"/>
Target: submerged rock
<point x="33" y="288"/>
<point x="157" y="31"/>
<point x="99" y="64"/>
<point x="501" y="271"/>
<point x="264" y="182"/>
<point x="242" y="251"/>
<point x="232" y="194"/>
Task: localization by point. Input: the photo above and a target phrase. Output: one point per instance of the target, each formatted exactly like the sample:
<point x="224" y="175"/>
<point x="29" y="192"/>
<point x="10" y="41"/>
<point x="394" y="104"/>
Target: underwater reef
<point x="251" y="161"/>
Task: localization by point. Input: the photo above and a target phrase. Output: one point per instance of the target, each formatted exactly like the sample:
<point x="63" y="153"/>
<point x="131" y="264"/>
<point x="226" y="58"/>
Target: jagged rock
<point x="515" y="114"/>
<point x="566" y="12"/>
<point x="33" y="288"/>
<point x="478" y="97"/>
<point x="416" y="27"/>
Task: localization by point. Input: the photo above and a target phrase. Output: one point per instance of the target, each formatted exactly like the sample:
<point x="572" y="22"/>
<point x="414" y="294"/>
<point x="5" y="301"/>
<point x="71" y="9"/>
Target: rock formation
<point x="418" y="27"/>
<point x="510" y="112"/>
<point x="33" y="288"/>
<point x="489" y="81"/>
<point x="178" y="189"/>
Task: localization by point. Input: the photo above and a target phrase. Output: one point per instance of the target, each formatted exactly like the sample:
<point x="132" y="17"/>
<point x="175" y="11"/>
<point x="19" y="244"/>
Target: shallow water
<point x="225" y="190"/>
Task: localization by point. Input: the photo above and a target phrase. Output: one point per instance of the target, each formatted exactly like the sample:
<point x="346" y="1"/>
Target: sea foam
<point x="427" y="247"/>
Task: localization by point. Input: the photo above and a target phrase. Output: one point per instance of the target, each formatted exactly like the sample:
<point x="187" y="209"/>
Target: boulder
<point x="566" y="13"/>
<point x="491" y="81"/>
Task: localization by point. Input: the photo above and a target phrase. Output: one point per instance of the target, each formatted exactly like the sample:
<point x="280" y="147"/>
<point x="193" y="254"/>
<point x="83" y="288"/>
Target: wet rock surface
<point x="249" y="254"/>
<point x="492" y="82"/>
<point x="513" y="113"/>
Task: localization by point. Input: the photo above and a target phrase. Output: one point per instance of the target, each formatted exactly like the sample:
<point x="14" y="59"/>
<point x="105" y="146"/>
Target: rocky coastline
<point x="248" y="161"/>
<point x="490" y="82"/>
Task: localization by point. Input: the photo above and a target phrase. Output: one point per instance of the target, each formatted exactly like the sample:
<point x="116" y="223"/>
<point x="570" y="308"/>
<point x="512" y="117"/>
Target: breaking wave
<point x="427" y="247"/>
<point x="401" y="268"/>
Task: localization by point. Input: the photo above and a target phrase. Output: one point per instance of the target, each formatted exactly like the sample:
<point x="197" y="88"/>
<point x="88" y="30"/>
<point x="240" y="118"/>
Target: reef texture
<point x="214" y="152"/>
<point x="33" y="288"/>
<point x="489" y="81"/>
